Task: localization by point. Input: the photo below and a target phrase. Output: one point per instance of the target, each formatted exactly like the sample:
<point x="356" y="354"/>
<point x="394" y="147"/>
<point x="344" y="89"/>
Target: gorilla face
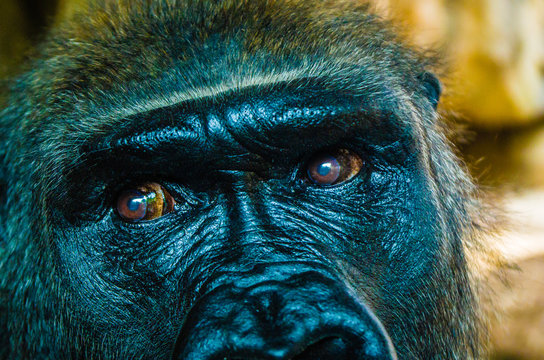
<point x="199" y="211"/>
<point x="265" y="213"/>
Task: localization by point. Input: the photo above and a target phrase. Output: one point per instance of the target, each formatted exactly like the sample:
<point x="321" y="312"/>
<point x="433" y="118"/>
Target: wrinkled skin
<point x="225" y="105"/>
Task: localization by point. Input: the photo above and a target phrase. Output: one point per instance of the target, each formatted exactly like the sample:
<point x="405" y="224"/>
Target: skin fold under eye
<point x="333" y="167"/>
<point x="146" y="202"/>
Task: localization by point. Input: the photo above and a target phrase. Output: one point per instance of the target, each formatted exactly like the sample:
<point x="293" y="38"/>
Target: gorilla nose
<point x="306" y="316"/>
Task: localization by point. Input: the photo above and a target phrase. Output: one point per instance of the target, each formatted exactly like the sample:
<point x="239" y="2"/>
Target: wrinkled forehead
<point x="262" y="110"/>
<point x="262" y="123"/>
<point x="189" y="52"/>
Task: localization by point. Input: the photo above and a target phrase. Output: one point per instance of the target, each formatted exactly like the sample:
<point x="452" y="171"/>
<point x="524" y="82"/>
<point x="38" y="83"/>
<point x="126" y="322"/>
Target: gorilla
<point x="235" y="179"/>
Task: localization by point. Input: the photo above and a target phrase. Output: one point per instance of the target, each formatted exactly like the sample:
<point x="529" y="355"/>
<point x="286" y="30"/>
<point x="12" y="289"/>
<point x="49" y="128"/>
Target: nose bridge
<point x="262" y="234"/>
<point x="246" y="199"/>
<point x="252" y="228"/>
<point x="252" y="245"/>
<point x="246" y="208"/>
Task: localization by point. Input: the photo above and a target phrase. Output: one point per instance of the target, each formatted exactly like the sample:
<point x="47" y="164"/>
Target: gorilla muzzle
<point x="291" y="314"/>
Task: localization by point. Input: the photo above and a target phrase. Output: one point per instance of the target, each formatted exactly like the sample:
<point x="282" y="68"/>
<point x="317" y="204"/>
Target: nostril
<point x="326" y="349"/>
<point x="307" y="317"/>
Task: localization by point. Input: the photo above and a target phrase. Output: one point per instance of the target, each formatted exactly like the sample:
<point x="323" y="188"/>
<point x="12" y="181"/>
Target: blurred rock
<point x="67" y="7"/>
<point x="495" y="50"/>
<point x="427" y="21"/>
<point x="13" y="39"/>
<point x="531" y="155"/>
<point x="525" y="236"/>
<point x="519" y="333"/>
<point x="23" y="23"/>
<point x="510" y="159"/>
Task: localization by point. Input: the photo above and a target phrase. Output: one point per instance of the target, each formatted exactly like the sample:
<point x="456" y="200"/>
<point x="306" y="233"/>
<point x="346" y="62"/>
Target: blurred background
<point x="493" y="77"/>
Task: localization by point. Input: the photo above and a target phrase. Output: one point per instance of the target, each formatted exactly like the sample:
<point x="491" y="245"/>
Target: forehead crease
<point x="114" y="112"/>
<point x="107" y="111"/>
<point x="258" y="113"/>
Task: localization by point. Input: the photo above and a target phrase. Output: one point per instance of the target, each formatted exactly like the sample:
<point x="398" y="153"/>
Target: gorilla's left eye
<point x="333" y="167"/>
<point x="146" y="202"/>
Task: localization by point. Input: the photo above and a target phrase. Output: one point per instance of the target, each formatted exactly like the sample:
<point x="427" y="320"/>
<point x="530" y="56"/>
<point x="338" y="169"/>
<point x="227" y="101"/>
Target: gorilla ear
<point x="432" y="88"/>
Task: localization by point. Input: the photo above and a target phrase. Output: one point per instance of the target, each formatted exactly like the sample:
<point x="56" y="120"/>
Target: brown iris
<point x="146" y="202"/>
<point x="334" y="167"/>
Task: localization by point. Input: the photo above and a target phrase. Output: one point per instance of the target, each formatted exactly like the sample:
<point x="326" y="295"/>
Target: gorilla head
<point x="232" y="180"/>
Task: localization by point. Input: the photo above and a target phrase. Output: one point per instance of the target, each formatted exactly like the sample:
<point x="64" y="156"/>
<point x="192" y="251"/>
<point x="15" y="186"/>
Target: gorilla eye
<point x="147" y="202"/>
<point x="333" y="167"/>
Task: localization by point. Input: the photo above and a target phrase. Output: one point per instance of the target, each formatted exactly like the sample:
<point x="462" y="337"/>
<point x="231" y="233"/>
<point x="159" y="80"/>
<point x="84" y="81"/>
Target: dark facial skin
<point x="307" y="216"/>
<point x="247" y="214"/>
